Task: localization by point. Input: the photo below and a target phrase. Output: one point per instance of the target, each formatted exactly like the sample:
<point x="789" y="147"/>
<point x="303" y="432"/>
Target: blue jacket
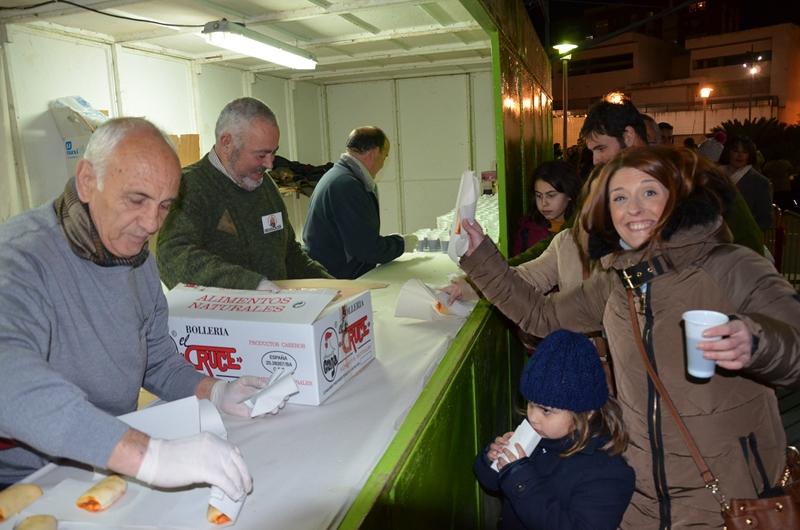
<point x="342" y="230"/>
<point x="588" y="490"/>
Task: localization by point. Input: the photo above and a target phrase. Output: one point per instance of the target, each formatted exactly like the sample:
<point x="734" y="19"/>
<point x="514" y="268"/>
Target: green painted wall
<point x="523" y="104"/>
<point x="424" y="479"/>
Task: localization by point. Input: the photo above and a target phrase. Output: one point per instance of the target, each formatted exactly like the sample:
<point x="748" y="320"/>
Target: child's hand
<point x="497" y="448"/>
<point x="507" y="456"/>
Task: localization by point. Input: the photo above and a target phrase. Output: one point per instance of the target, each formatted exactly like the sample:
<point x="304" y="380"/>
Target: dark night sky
<point x="567" y="20"/>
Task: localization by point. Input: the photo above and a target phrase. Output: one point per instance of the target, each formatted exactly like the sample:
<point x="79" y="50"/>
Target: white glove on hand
<point x="410" y="241"/>
<point x="202" y="458"/>
<point x="266" y="285"/>
<point x="228" y="396"/>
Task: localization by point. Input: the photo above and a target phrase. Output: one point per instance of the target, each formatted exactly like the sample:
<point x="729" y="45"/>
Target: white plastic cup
<point x="695" y="323"/>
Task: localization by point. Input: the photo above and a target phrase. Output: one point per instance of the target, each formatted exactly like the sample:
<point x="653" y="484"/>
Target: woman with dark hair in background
<point x="556" y="186"/>
<point x="738" y="158"/>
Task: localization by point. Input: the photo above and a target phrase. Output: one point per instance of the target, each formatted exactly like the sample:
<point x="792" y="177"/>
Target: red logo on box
<point x="210" y="358"/>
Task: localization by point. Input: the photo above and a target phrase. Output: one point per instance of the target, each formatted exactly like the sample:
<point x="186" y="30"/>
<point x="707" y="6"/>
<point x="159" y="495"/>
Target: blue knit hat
<point x="565" y="373"/>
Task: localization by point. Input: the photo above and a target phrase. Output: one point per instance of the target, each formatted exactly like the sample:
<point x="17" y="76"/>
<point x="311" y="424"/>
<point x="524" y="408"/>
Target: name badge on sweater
<point x="272" y="222"/>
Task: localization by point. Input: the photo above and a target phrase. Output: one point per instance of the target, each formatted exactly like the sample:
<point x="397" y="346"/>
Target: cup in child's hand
<point x="695" y="323"/>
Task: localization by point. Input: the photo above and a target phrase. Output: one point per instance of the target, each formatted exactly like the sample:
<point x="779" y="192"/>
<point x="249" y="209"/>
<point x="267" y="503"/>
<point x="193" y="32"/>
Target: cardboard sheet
<point x="346" y="288"/>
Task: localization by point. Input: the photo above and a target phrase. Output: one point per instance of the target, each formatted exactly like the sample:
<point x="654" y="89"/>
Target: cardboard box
<point x="228" y="333"/>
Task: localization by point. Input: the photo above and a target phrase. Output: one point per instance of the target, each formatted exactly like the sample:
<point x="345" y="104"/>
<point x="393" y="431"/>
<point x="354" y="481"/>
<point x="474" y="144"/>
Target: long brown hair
<point x="606" y="422"/>
<point x="686" y="176"/>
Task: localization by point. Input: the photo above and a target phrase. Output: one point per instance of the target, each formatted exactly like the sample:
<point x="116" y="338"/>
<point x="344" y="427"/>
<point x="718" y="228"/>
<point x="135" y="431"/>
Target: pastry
<point x="103" y="494"/>
<point x="38" y="522"/>
<point x="215" y="516"/>
<point x="16" y="497"/>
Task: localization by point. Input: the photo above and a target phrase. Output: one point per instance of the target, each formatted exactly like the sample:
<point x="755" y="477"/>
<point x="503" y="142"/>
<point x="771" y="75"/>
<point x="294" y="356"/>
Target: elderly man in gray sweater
<point x="83" y="324"/>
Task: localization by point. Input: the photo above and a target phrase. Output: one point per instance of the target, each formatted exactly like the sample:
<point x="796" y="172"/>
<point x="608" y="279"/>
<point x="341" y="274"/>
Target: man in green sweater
<point x="229" y="226"/>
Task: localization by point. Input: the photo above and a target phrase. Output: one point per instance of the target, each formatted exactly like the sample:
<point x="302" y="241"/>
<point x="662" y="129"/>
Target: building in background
<point x="662" y="62"/>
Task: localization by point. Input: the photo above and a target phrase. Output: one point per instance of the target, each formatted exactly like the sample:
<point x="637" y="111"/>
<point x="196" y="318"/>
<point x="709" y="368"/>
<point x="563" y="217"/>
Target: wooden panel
<point x="188" y="148"/>
<point x="424" y="201"/>
<point x="41" y="69"/>
<point x="216" y="87"/>
<point x="169" y="102"/>
<point x="483" y="129"/>
<point x="307" y="120"/>
<point x="352" y="105"/>
<point x="433" y="128"/>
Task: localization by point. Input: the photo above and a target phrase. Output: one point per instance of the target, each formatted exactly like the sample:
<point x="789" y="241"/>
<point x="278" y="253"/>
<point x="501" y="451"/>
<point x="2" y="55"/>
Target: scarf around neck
<point x="81" y="234"/>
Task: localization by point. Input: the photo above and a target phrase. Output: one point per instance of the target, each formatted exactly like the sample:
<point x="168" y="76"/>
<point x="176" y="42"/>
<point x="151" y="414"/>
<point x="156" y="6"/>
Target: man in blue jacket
<point x="342" y="230"/>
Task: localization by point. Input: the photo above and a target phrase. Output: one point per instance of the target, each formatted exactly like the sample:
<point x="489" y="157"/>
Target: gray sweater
<point x="77" y="340"/>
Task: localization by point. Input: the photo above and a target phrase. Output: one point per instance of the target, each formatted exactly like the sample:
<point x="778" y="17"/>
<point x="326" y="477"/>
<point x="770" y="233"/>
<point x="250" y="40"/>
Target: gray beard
<point x="247" y="183"/>
<point x="244" y="182"/>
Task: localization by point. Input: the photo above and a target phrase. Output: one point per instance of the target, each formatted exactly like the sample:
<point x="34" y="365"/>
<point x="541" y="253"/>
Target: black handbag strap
<point x="706" y="474"/>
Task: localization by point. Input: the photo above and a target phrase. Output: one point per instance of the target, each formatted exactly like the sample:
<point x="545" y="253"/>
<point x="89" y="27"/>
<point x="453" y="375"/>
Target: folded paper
<point x="525" y="436"/>
<point x="466" y="203"/>
<point x="182" y="418"/>
<point x="417" y="300"/>
<point x="281" y="385"/>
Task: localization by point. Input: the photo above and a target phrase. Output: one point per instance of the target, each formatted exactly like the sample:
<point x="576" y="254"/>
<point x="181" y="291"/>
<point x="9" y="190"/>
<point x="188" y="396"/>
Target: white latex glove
<point x="410" y="241"/>
<point x="202" y="458"/>
<point x="266" y="285"/>
<point x="228" y="396"/>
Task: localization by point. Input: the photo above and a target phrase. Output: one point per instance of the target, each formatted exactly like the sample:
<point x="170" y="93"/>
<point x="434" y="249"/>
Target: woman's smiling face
<point x="636" y="202"/>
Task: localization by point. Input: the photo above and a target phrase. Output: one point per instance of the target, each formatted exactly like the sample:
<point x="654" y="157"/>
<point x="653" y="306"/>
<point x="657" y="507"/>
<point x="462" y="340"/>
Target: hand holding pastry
<point x="202" y="458"/>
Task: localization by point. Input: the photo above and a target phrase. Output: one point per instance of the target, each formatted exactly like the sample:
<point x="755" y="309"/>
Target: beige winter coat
<point x="706" y="274"/>
<point x="559" y="265"/>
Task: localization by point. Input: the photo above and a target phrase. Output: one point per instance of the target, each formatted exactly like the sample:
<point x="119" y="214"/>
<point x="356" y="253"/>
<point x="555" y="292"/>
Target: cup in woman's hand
<point x="694" y="324"/>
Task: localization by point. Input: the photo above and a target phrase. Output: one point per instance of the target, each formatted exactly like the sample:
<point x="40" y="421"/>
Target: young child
<point x="575" y="478"/>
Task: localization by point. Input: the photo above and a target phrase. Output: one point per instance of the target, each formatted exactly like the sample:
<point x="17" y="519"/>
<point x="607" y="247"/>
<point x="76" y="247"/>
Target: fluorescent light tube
<point x="239" y="39"/>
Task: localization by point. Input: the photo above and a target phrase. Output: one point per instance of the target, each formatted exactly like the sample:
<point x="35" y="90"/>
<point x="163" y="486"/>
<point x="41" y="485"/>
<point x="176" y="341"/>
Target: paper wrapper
<point x="466" y="203"/>
<point x="280" y="387"/>
<point x="196" y="415"/>
<point x="417" y="300"/>
<point x="526" y="437"/>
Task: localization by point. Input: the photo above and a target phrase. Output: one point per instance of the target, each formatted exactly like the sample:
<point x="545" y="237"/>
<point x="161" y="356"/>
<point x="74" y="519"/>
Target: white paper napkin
<point x="466" y="203"/>
<point x="417" y="300"/>
<point x="281" y="385"/>
<point x="525" y="436"/>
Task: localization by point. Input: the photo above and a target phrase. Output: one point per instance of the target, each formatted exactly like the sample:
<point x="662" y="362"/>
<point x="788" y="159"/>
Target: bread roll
<point x="16" y="497"/>
<point x="38" y="522"/>
<point x="103" y="494"/>
<point x="215" y="516"/>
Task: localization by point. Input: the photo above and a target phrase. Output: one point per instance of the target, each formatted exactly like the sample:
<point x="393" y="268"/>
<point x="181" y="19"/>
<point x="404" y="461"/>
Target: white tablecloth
<point x="309" y="463"/>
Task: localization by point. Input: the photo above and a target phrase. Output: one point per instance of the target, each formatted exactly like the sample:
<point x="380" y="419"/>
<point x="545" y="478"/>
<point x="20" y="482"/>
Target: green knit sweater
<point x="214" y="235"/>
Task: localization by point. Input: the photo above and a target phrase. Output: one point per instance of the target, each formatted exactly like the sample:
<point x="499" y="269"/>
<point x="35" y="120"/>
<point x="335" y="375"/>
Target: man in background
<point x="83" y="325"/>
<point x="229" y="226"/>
<point x="610" y="128"/>
<point x="667" y="136"/>
<point x="713" y="146"/>
<point x="653" y="132"/>
<point x="342" y="230"/>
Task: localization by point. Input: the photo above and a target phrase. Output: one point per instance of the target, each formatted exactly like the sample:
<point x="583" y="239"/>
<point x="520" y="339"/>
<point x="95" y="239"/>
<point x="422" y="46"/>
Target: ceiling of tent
<point x="351" y="39"/>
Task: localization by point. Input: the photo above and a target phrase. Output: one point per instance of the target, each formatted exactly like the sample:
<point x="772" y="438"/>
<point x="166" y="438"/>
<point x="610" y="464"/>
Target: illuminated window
<point x="696" y="7"/>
